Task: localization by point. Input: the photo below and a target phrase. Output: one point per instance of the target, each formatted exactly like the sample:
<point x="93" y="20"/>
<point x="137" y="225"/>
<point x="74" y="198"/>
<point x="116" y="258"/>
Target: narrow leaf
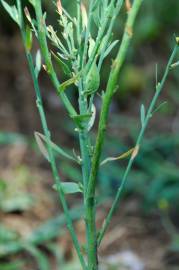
<point x="41" y="145"/>
<point x="62" y="64"/>
<point x="109" y="49"/>
<point x="69" y="187"/>
<point x="40" y="138"/>
<point x="12" y="11"/>
<point x="124" y="155"/>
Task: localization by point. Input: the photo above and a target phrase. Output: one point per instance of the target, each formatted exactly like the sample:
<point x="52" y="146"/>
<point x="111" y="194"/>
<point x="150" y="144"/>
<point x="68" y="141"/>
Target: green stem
<point x="111" y="87"/>
<point x="83" y="107"/>
<point x="47" y="57"/>
<point x="47" y="134"/>
<point x="159" y="88"/>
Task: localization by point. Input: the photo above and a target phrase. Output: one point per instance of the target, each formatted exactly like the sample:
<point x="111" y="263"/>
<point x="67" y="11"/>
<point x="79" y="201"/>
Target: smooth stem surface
<point x="159" y="88"/>
<point x="47" y="57"/>
<point x="111" y="87"/>
<point x="47" y="135"/>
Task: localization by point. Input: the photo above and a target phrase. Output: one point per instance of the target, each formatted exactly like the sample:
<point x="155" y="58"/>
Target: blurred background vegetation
<point x="30" y="226"/>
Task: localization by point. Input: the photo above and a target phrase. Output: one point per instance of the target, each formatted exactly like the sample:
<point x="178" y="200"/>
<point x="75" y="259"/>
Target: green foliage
<point x="70" y="188"/>
<point x="12" y="11"/>
<point x="85" y="41"/>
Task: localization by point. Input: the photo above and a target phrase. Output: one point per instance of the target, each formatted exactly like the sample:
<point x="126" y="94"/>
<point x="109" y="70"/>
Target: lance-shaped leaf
<point x="69" y="187"/>
<point x="42" y="142"/>
<point x="12" y="11"/>
<point x="109" y="49"/>
<point x="124" y="155"/>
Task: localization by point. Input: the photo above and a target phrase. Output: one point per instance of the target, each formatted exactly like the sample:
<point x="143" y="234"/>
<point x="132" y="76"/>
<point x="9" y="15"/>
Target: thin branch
<point x="47" y="135"/>
<point x="151" y="108"/>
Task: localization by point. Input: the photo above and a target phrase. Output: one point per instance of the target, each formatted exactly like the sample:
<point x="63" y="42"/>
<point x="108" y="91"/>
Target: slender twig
<point x="151" y="108"/>
<point x="47" y="134"/>
<point x="111" y="87"/>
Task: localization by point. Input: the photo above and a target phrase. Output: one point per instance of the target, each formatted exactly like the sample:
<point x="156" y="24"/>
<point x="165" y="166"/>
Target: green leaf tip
<point x="12" y="11"/>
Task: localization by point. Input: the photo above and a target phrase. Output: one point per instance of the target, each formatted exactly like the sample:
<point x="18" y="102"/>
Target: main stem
<point x="111" y="87"/>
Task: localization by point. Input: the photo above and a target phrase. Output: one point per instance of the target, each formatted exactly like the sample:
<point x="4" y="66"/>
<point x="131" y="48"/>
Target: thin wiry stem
<point x="47" y="135"/>
<point x="151" y="108"/>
